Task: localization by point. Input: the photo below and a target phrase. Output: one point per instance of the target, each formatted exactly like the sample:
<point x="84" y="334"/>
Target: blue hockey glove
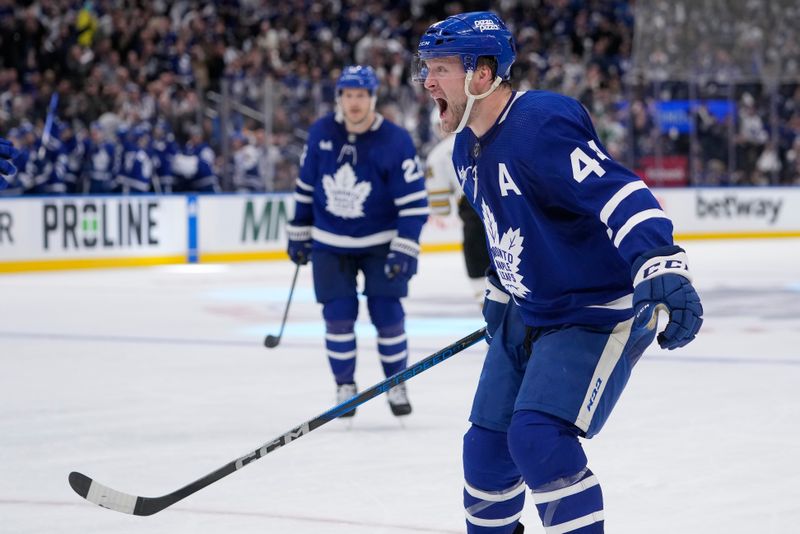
<point x="661" y="281"/>
<point x="299" y="248"/>
<point x="495" y="301"/>
<point x="401" y="262"/>
<point x="7" y="154"/>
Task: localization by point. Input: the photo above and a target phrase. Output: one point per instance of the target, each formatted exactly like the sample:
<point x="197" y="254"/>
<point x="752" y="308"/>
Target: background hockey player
<point x="584" y="261"/>
<point x="442" y="183"/>
<point x="7" y="169"/>
<point x="360" y="206"/>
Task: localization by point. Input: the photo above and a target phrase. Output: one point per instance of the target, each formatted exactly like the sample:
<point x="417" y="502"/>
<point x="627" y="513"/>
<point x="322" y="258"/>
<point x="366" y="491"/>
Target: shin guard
<point x="340" y="338"/>
<point x="389" y="319"/>
<point x="566" y="492"/>
<point x="494" y="492"/>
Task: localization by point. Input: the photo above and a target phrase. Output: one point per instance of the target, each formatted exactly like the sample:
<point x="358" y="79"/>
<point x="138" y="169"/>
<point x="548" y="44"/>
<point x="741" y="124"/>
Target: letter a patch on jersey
<point x="506" y="182"/>
<point x="506" y="253"/>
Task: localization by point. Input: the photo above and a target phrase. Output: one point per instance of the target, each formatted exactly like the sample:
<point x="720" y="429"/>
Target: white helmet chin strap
<point x="472" y="98"/>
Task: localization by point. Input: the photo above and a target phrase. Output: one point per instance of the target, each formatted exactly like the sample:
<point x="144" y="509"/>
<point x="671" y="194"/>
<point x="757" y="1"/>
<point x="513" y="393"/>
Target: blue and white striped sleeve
<point x="407" y="183"/>
<point x="597" y="184"/>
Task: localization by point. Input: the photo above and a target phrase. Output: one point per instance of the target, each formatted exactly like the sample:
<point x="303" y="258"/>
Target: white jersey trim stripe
<point x="339" y="338"/>
<point x="550" y="496"/>
<point x="346" y="241"/>
<point x="503" y="521"/>
<point x="519" y="94"/>
<point x="496" y="496"/>
<point x="410" y="198"/>
<point x="302" y="185"/>
<point x="605" y="366"/>
<point x="409" y="212"/>
<point x="642" y="216"/>
<point x="342" y="355"/>
<point x="575" y="524"/>
<point x="305" y="199"/>
<point x="622" y="303"/>
<point x="619" y="196"/>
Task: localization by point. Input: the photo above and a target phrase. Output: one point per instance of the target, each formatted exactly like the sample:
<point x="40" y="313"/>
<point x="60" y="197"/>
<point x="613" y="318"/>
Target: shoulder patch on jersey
<point x="345" y="194"/>
<point x="506" y="253"/>
<point x="325" y="144"/>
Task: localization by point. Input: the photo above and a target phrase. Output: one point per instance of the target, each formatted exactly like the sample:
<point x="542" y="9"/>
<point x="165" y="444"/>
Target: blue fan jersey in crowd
<point x="564" y="221"/>
<point x="360" y="190"/>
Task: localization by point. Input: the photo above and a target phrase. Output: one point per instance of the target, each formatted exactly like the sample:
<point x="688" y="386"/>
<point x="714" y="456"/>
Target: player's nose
<point x="429" y="83"/>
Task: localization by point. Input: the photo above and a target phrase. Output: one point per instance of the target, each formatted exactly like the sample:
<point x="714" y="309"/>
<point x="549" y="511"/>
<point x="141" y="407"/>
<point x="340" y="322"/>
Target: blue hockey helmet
<point x="357" y="77"/>
<point x="468" y="36"/>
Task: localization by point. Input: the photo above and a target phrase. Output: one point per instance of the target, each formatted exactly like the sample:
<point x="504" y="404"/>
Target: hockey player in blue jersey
<point x="7" y="169"/>
<point x="584" y="261"/>
<point x="360" y="206"/>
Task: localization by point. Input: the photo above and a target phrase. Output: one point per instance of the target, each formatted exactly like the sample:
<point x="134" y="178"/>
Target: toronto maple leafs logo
<point x="506" y="251"/>
<point x="345" y="195"/>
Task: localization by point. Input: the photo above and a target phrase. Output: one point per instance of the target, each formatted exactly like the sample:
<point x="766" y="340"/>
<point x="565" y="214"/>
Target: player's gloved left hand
<point x="299" y="248"/>
<point x="662" y="282"/>
<point x="7" y="154"/>
<point x="401" y="262"/>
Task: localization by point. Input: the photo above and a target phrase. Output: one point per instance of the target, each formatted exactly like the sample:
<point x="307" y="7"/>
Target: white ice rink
<point x="147" y="379"/>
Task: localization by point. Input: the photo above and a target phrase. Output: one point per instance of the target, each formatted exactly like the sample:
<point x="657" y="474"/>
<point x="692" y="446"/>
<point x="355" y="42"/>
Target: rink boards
<point x="50" y="233"/>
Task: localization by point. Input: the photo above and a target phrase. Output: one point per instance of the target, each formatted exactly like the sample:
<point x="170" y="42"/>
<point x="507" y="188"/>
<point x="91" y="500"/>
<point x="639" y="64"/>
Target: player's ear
<point x="484" y="73"/>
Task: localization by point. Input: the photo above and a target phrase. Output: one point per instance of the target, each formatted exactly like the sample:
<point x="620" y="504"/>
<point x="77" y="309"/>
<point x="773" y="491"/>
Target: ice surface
<point x="147" y="379"/>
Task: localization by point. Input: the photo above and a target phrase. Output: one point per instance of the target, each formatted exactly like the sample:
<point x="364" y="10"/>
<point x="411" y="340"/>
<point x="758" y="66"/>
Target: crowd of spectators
<point x="189" y="95"/>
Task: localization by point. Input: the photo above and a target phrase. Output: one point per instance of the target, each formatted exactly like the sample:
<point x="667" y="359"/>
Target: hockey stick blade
<point x="112" y="499"/>
<point x="271" y="341"/>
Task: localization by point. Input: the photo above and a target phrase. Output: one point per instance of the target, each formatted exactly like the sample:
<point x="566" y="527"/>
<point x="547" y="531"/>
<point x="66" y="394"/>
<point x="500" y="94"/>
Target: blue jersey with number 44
<point x="564" y="221"/>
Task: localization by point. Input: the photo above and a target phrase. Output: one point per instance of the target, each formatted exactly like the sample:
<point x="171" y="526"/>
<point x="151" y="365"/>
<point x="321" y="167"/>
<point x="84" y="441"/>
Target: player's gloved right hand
<point x="495" y="300"/>
<point x="7" y="154"/>
<point x="299" y="248"/>
<point x="661" y="281"/>
<point x="401" y="262"/>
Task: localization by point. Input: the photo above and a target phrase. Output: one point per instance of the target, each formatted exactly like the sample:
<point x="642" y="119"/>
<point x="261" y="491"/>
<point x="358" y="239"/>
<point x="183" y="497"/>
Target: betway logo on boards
<point x="263" y="220"/>
<point x="738" y="206"/>
<point x="107" y="223"/>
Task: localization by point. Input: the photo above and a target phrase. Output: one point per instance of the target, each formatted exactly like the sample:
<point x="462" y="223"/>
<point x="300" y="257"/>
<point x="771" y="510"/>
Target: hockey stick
<point x="272" y="341"/>
<point x="112" y="499"/>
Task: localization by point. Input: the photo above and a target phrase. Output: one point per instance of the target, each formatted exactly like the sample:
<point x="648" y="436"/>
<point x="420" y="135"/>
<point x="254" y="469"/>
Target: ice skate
<point x="346" y="392"/>
<point x="398" y="400"/>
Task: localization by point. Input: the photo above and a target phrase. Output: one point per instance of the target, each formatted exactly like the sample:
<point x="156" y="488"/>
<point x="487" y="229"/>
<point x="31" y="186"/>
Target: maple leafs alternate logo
<point x="506" y="251"/>
<point x="345" y="195"/>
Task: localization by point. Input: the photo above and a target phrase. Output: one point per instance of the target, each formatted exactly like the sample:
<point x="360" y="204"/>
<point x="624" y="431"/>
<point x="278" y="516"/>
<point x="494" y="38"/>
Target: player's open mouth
<point x="442" y="103"/>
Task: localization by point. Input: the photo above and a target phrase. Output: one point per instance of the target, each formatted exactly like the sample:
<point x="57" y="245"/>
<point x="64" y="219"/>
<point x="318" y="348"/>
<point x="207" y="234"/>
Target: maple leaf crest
<point x="506" y="253"/>
<point x="345" y="194"/>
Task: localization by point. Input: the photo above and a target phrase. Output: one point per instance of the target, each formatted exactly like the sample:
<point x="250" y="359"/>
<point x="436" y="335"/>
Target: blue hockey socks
<point x="547" y="452"/>
<point x="340" y="338"/>
<point x="389" y="319"/>
<point x="494" y="492"/>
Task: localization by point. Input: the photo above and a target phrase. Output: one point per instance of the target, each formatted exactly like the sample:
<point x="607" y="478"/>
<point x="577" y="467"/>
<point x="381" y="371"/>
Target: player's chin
<point x="449" y="121"/>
